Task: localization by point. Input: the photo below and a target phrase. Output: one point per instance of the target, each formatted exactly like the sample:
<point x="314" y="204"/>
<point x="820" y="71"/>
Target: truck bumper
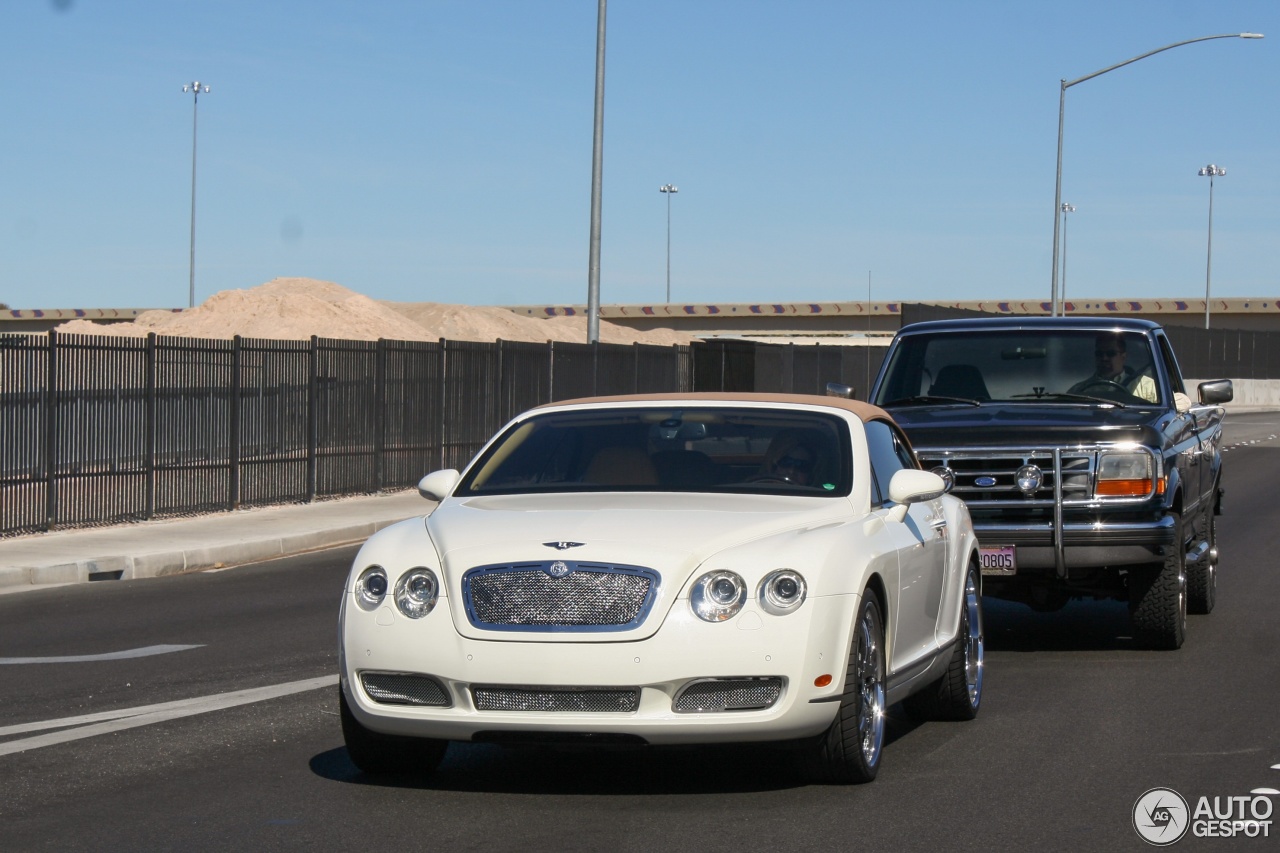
<point x="1081" y="544"/>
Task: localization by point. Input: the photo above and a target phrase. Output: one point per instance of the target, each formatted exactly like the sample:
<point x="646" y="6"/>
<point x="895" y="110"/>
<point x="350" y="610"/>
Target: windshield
<point x="665" y="449"/>
<point x="1044" y="365"/>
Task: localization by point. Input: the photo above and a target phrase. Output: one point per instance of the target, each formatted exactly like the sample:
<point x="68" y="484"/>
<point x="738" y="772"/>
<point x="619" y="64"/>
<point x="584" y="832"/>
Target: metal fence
<point x="100" y="430"/>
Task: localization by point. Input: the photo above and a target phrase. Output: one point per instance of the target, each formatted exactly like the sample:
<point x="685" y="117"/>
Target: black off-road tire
<point x="376" y="753"/>
<point x="1158" y="598"/>
<point x="1202" y="576"/>
<point x="957" y="695"/>
<point x="850" y="750"/>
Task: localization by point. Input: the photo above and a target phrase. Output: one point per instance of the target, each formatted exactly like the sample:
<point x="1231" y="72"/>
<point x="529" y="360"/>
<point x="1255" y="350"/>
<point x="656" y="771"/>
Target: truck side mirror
<point x="1216" y="391"/>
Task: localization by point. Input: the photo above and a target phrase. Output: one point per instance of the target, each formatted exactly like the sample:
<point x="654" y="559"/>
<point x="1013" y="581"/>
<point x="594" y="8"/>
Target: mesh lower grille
<point x="396" y="689"/>
<point x="587" y="598"/>
<point x="729" y="694"/>
<point x="620" y="700"/>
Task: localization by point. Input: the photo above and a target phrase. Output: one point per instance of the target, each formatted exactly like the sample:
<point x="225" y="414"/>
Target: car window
<point x="653" y="448"/>
<point x="1041" y="365"/>
<point x="888" y="455"/>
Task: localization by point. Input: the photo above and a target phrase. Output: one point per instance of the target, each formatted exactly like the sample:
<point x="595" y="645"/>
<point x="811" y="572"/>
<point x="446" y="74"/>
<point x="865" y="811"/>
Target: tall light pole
<point x="1066" y="208"/>
<point x="195" y="89"/>
<point x="1062" y="102"/>
<point x="669" y="190"/>
<point x="1213" y="172"/>
<point x="597" y="170"/>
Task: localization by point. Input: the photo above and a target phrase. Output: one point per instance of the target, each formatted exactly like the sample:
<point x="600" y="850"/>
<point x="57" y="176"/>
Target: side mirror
<point x="837" y="389"/>
<point x="911" y="485"/>
<point x="1217" y="391"/>
<point x="437" y="485"/>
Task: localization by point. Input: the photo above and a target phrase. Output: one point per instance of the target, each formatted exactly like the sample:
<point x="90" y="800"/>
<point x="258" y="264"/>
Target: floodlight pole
<point x="669" y="190"/>
<point x="1212" y="172"/>
<point x="195" y="89"/>
<point x="1062" y="102"/>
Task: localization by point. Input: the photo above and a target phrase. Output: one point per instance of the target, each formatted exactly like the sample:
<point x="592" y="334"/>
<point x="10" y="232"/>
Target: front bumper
<point x="796" y="649"/>
<point x="1058" y="548"/>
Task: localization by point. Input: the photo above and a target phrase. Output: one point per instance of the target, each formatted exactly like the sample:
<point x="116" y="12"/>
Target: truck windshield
<point x="1043" y="365"/>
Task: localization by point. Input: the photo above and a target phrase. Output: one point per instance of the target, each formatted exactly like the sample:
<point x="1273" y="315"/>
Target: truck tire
<point x="376" y="753"/>
<point x="1202" y="576"/>
<point x="957" y="695"/>
<point x="850" y="750"/>
<point x="1158" y="597"/>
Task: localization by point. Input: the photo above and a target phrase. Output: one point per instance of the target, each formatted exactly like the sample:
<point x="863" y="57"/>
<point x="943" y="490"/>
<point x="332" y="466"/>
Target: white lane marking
<point x="145" y="651"/>
<point x="145" y="715"/>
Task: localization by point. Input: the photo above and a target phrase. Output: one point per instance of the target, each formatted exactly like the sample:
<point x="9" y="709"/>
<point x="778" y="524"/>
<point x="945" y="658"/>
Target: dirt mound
<point x="297" y="308"/>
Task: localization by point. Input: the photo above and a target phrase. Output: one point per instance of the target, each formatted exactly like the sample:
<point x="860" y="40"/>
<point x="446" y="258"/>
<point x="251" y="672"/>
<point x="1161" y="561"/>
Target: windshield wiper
<point x="1064" y="395"/>
<point x="930" y="399"/>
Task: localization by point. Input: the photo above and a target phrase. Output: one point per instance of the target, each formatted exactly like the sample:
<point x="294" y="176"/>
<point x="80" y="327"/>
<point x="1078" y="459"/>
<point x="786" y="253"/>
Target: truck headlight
<point x="717" y="596"/>
<point x="1127" y="475"/>
<point x="416" y="592"/>
<point x="781" y="592"/>
<point x="371" y="586"/>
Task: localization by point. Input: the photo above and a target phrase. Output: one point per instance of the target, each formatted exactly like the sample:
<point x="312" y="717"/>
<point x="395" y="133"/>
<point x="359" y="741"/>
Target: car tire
<point x="957" y="695"/>
<point x="850" y="750"/>
<point x="1202" y="576"/>
<point x="1158" y="597"/>
<point x="376" y="753"/>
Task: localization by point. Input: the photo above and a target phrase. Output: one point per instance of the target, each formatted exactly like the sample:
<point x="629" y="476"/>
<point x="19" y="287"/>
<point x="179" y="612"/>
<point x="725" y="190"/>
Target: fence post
<point x="551" y="371"/>
<point x="234" y="417"/>
<point x="379" y="413"/>
<point x="51" y="433"/>
<point x="313" y="437"/>
<point x="149" y="458"/>
<point x="440" y="408"/>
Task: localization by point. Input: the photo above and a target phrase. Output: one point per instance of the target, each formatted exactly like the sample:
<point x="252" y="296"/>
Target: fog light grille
<point x="621" y="700"/>
<point x="717" y="695"/>
<point x="389" y="688"/>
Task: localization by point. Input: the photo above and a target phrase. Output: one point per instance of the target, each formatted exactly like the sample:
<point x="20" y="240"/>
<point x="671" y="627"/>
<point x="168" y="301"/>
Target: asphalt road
<point x="1076" y="724"/>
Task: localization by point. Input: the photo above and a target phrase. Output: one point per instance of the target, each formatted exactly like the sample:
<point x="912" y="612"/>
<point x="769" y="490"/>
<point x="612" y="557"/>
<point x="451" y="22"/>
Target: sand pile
<point x="297" y="308"/>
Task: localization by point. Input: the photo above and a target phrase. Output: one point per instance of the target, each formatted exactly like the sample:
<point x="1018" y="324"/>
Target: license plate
<point x="998" y="560"/>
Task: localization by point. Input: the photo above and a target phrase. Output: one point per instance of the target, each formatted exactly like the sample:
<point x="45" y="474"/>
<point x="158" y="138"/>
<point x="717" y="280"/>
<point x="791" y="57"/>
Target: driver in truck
<point x="1109" y="354"/>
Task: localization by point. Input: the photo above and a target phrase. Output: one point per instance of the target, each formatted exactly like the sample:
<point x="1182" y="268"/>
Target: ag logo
<point x="558" y="569"/>
<point x="1161" y="816"/>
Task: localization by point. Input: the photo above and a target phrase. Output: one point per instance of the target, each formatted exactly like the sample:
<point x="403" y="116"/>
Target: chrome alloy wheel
<point x="870" y="672"/>
<point x="973" y="639"/>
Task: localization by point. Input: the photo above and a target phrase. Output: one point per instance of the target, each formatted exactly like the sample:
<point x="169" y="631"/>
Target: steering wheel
<point x="1099" y="382"/>
<point x="769" y="478"/>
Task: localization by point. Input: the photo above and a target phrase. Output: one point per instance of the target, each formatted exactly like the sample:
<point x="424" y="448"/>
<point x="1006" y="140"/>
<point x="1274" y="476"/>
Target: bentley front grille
<point x="728" y="694"/>
<point x="391" y="688"/>
<point x="555" y="700"/>
<point x="558" y="596"/>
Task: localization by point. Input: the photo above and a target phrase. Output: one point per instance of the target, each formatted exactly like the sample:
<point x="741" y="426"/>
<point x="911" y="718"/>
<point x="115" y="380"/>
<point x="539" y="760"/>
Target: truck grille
<point x="988" y="476"/>
<point x="558" y="595"/>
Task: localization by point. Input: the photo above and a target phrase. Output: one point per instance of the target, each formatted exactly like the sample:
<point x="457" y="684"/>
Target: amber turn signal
<point x="822" y="681"/>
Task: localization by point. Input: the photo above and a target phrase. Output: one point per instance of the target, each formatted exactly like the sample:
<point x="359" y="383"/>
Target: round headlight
<point x="717" y="596"/>
<point x="371" y="586"/>
<point x="416" y="592"/>
<point x="781" y="592"/>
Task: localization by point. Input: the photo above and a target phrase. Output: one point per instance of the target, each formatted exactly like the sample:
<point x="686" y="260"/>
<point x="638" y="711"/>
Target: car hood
<point x="673" y="534"/>
<point x="1028" y="423"/>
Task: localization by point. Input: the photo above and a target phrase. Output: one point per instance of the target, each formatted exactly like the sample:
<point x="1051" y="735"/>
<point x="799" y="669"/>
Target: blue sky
<point x="441" y="151"/>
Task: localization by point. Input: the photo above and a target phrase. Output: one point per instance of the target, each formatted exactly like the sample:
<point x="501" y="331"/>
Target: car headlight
<point x="717" y="596"/>
<point x="781" y="592"/>
<point x="1127" y="475"/>
<point x="371" y="586"/>
<point x="416" y="592"/>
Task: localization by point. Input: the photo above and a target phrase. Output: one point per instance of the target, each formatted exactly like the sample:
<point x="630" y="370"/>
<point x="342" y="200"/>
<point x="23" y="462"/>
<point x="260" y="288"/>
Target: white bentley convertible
<point x="668" y="569"/>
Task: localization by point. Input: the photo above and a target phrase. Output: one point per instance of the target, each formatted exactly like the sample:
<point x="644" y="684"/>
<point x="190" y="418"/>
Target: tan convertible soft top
<point x="864" y="411"/>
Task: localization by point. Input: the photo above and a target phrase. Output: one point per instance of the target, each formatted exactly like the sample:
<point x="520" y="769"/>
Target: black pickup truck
<point x="1088" y="470"/>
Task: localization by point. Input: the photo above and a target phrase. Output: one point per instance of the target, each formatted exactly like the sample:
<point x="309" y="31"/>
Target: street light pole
<point x="669" y="190"/>
<point x="1066" y="208"/>
<point x="1062" y="101"/>
<point x="1213" y="172"/>
<point x="597" y="171"/>
<point x="195" y="89"/>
